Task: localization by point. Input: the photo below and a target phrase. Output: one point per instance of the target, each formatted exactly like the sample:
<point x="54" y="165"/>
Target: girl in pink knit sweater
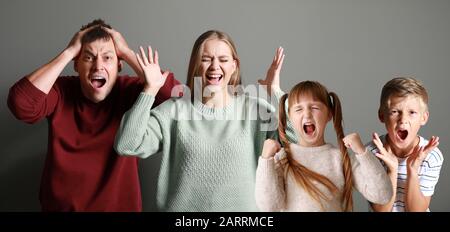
<point x="314" y="175"/>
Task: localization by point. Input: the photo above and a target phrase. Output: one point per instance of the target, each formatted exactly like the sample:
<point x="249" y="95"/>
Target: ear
<point x="75" y="59"/>
<point x="381" y="115"/>
<point x="233" y="76"/>
<point x="119" y="66"/>
<point x="330" y="116"/>
<point x="234" y="65"/>
<point x="424" y="118"/>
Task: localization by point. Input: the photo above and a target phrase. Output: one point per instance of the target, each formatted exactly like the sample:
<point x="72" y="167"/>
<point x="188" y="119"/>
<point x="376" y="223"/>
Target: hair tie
<point x="286" y="102"/>
<point x="330" y="96"/>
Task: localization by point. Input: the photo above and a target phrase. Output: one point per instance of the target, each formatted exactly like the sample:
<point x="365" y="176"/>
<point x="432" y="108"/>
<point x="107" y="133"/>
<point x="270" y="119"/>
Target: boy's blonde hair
<point x="403" y="87"/>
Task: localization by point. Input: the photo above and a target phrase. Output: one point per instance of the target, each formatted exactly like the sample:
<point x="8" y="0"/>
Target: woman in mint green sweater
<point x="211" y="141"/>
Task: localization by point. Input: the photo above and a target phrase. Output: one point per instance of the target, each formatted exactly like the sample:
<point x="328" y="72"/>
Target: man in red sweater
<point x="82" y="171"/>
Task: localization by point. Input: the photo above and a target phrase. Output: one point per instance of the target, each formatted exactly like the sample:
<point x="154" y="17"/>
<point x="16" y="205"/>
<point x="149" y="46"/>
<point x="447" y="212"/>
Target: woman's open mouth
<point x="214" y="79"/>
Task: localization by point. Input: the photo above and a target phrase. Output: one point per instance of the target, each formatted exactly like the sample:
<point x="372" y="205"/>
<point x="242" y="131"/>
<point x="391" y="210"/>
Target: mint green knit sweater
<point x="209" y="156"/>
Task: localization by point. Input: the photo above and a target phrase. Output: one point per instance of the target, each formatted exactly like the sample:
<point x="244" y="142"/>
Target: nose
<point x="402" y="118"/>
<point x="308" y="113"/>
<point x="98" y="64"/>
<point x="214" y="64"/>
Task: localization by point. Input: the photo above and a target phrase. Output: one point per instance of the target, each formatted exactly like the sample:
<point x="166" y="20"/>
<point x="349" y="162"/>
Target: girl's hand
<point x="353" y="141"/>
<point x="270" y="148"/>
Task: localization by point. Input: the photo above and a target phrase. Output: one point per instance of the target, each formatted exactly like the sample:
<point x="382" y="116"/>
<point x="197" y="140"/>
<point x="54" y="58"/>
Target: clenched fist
<point x="353" y="141"/>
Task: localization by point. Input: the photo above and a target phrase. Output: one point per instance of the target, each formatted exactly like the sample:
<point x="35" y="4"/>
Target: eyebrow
<point x="92" y="54"/>
<point x="88" y="52"/>
<point x="222" y="56"/>
<point x="314" y="103"/>
<point x="419" y="108"/>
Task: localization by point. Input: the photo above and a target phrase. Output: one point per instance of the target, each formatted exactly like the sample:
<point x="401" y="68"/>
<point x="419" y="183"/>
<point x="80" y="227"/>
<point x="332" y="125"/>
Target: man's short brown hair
<point x="96" y="33"/>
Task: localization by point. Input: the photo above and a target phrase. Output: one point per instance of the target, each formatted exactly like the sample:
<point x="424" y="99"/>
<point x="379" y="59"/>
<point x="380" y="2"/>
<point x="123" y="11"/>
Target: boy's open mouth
<point x="309" y="128"/>
<point x="402" y="134"/>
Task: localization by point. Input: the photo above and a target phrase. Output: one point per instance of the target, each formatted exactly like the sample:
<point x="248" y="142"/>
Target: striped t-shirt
<point x="428" y="173"/>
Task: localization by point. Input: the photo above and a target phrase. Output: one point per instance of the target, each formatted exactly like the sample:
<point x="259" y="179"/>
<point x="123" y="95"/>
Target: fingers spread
<point x="141" y="63"/>
<point x="144" y="57"/>
<point x="381" y="156"/>
<point x="280" y="63"/>
<point x="156" y="57"/>
<point x="422" y="153"/>
<point x="376" y="137"/>
<point x="415" y="153"/>
<point x="432" y="144"/>
<point x="150" y="54"/>
<point x="388" y="148"/>
<point x="280" y="56"/>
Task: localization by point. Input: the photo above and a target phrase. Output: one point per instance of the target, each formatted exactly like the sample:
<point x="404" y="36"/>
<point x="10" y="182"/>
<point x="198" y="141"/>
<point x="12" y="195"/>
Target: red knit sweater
<point x="82" y="171"/>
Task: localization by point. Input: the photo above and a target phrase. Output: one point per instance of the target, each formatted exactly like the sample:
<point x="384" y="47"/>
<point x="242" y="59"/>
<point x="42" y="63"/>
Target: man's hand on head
<point x="122" y="48"/>
<point x="75" y="44"/>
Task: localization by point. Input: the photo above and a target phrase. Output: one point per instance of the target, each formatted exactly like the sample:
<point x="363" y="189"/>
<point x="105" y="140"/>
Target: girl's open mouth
<point x="309" y="128"/>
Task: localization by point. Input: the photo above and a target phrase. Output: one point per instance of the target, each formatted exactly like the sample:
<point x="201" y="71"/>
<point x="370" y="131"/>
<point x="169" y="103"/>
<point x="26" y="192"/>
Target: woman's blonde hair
<point x="196" y="56"/>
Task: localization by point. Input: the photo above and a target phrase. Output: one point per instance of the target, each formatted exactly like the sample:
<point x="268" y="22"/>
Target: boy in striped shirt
<point x="412" y="162"/>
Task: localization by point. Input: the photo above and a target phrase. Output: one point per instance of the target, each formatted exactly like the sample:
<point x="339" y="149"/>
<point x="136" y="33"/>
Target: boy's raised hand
<point x="270" y="148"/>
<point x="353" y="141"/>
<point x="385" y="153"/>
<point x="154" y="80"/>
<point x="419" y="154"/>
<point x="273" y="74"/>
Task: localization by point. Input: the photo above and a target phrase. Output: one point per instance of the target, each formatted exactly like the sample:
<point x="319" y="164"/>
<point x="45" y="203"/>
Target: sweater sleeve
<point x="290" y="131"/>
<point x="269" y="187"/>
<point x="29" y="104"/>
<point x="370" y="178"/>
<point x="140" y="131"/>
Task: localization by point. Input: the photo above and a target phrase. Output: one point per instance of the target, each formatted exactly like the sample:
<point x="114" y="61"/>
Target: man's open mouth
<point x="98" y="81"/>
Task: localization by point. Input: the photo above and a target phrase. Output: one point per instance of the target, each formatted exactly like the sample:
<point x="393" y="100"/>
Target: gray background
<point x="351" y="46"/>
